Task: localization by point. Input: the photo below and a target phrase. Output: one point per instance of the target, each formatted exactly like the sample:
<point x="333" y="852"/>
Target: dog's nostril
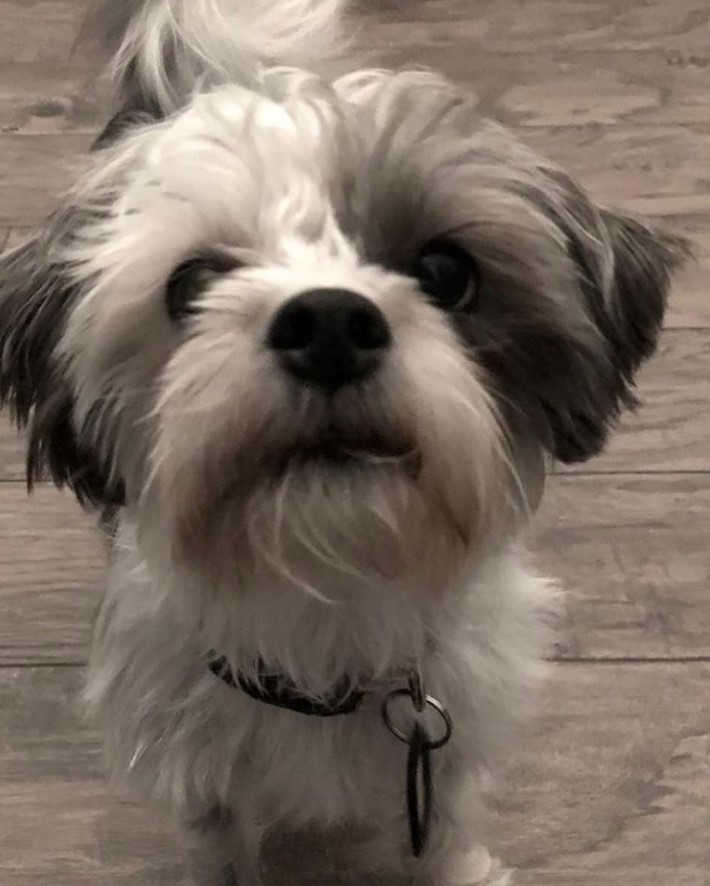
<point x="295" y="329"/>
<point x="368" y="330"/>
<point x="329" y="337"/>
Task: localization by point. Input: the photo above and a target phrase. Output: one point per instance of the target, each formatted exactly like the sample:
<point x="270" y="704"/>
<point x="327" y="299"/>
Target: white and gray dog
<point x="310" y="332"/>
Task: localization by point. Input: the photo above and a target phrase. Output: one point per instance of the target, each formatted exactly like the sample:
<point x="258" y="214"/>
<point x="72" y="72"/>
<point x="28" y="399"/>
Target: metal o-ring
<point x="430" y="702"/>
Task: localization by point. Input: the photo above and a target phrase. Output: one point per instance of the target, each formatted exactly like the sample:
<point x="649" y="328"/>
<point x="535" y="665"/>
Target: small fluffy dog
<point x="310" y="332"/>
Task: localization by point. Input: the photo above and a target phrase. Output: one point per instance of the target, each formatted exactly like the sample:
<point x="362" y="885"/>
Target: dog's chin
<point x="356" y="508"/>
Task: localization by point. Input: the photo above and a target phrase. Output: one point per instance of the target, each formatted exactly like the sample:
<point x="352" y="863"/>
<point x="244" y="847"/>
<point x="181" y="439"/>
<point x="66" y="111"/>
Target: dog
<point x="310" y="335"/>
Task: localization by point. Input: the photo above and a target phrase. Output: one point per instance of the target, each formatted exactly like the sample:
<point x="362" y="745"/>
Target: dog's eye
<point x="187" y="283"/>
<point x="448" y="275"/>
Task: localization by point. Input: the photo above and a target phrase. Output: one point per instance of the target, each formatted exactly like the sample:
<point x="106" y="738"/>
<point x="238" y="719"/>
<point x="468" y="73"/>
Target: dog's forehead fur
<point x="379" y="163"/>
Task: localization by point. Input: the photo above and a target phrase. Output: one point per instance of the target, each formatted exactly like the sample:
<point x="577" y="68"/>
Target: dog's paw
<point x="477" y="868"/>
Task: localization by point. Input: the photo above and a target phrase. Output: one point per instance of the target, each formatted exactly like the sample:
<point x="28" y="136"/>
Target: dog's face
<point x="333" y="324"/>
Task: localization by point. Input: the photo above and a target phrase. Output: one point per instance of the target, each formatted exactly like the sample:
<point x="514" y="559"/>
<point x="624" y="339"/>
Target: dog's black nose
<point x="330" y="337"/>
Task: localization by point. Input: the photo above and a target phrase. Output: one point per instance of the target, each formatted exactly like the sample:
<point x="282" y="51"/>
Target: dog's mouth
<point x="340" y="449"/>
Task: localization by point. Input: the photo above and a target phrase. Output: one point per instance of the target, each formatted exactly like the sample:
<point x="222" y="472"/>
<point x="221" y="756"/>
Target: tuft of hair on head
<point x="164" y="51"/>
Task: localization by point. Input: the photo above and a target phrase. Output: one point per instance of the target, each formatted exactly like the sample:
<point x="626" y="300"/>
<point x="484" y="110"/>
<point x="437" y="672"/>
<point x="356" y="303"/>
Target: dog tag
<point x="419" y="789"/>
<point x="421" y="742"/>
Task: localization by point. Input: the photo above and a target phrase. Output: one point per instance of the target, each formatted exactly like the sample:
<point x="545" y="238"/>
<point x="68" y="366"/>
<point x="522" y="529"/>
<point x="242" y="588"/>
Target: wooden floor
<point x="613" y="786"/>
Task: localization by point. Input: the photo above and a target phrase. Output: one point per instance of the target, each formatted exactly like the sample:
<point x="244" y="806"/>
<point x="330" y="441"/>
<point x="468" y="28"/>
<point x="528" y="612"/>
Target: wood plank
<point x="541" y="26"/>
<point x="34" y="170"/>
<point x="609" y="787"/>
<point x="560" y="88"/>
<point x="45" y="98"/>
<point x="689" y="306"/>
<point x="577" y="89"/>
<point x="680" y="28"/>
<point x="612" y="786"/>
<point x="655" y="170"/>
<point x="690" y="299"/>
<point x="12" y="459"/>
<point x="669" y="432"/>
<point x="671" y="429"/>
<point x="53" y="786"/>
<point x="524" y="88"/>
<point x="565" y="87"/>
<point x="51" y="572"/>
<point x="632" y="553"/>
<point x="40" y="30"/>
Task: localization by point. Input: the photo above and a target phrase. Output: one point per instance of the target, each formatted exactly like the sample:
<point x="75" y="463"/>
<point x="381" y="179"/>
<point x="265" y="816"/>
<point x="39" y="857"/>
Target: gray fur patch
<point x="35" y="299"/>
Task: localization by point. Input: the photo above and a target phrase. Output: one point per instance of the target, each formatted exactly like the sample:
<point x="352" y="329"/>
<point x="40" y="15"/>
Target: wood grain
<point x="657" y="170"/>
<point x="40" y="31"/>
<point x="631" y="551"/>
<point x="618" y="798"/>
<point x="59" y="823"/>
<point x="51" y="571"/>
<point x="566" y="87"/>
<point x="670" y="431"/>
<point x="45" y="99"/>
<point x="542" y="26"/>
<point x="612" y="786"/>
<point x="689" y="305"/>
<point x="560" y="88"/>
<point x="34" y="170"/>
<point x="606" y="100"/>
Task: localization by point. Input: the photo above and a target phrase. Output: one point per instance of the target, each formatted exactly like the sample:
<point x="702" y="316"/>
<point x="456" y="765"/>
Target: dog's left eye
<point x="448" y="275"/>
<point x="187" y="283"/>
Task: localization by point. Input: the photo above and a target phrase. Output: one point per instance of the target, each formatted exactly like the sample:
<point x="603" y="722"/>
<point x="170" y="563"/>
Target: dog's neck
<point x="368" y="629"/>
<point x="364" y="631"/>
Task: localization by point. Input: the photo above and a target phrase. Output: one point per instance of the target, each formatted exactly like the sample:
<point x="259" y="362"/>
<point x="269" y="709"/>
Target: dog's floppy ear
<point x="36" y="295"/>
<point x="624" y="270"/>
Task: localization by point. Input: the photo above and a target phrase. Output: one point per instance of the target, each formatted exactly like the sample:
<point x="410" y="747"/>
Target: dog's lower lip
<point x="344" y="453"/>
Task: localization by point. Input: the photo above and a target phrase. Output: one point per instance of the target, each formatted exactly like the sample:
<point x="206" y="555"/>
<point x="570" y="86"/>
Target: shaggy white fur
<point x="365" y="531"/>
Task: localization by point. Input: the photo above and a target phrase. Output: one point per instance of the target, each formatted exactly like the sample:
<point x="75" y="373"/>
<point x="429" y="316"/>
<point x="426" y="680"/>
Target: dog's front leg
<point x="452" y="856"/>
<point x="221" y="850"/>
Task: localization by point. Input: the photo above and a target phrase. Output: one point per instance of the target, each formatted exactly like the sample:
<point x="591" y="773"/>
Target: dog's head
<point x="333" y="323"/>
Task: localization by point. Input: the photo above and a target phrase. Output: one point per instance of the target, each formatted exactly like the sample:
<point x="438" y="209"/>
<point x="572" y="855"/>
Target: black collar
<point x="280" y="691"/>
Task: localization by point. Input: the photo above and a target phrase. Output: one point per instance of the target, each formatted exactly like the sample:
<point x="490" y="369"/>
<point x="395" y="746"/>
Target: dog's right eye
<point x="448" y="275"/>
<point x="186" y="284"/>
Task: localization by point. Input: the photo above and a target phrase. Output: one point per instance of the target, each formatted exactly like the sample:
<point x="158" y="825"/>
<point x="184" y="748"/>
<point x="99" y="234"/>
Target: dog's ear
<point x="624" y="268"/>
<point x="36" y="296"/>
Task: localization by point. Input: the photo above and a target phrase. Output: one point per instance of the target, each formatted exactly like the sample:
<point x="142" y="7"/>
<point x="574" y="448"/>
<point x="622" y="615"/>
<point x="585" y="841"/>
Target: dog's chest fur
<point x="180" y="734"/>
